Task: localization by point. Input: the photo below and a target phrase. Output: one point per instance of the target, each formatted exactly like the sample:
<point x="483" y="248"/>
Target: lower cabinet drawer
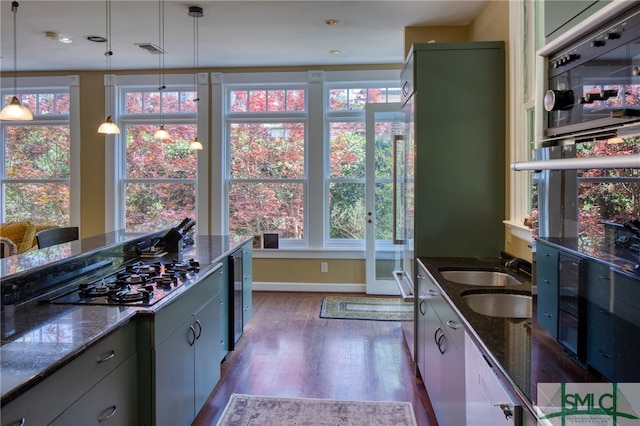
<point x="113" y="401"/>
<point x="97" y="362"/>
<point x="49" y="404"/>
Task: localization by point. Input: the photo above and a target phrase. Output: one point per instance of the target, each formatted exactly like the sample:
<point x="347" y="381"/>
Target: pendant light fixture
<point x="108" y="127"/>
<point x="15" y="111"/>
<point x="161" y="133"/>
<point x="195" y="12"/>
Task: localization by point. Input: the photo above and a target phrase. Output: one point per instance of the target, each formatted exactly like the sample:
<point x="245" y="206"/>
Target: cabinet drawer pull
<point x="192" y="334"/>
<point x="106" y="357"/>
<point x="108" y="413"/>
<point x="438" y="339"/>
<point x="604" y="311"/>
<point x="405" y="88"/>
<point x="548" y="315"/>
<point x="603" y="355"/>
<point x="432" y="292"/>
<point x="453" y="324"/>
<point x="422" y="312"/>
<point x="546" y="281"/>
<point x="221" y="342"/>
<point x="199" y="324"/>
<point x="421" y="277"/>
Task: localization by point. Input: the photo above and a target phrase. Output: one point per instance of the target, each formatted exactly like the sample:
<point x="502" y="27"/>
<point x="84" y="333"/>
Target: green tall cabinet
<point x="454" y="101"/>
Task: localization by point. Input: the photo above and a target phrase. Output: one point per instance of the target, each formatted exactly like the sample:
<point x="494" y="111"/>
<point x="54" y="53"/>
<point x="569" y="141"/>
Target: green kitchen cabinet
<point x="441" y="352"/>
<point x="626" y="300"/>
<point x="547" y="286"/>
<point x="600" y="319"/>
<point x="562" y="15"/>
<point x="247" y="282"/>
<point x="184" y="340"/>
<point x="454" y="102"/>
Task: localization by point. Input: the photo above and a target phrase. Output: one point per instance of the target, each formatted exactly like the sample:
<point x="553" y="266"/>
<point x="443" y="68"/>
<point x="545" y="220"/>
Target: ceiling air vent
<point x="151" y="48"/>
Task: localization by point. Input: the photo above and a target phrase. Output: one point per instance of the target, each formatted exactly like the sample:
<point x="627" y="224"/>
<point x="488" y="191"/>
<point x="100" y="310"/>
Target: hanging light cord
<point x="14" y="9"/>
<point x="196" y="54"/>
<point x="161" y="85"/>
<point x="108" y="54"/>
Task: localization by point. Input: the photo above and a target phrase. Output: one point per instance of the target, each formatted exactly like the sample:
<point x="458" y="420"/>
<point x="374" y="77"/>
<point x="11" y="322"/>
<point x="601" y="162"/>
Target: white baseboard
<point x="310" y="287"/>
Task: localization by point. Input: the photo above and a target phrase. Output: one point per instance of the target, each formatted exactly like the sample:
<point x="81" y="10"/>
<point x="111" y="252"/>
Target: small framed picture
<point x="270" y="240"/>
<point x="257" y="241"/>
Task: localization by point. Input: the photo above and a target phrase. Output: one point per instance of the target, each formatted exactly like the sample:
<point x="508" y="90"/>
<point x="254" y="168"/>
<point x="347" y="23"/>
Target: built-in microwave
<point x="595" y="83"/>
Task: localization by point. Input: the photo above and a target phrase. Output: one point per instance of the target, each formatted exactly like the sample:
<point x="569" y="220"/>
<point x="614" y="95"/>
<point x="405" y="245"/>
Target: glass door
<point x="384" y="122"/>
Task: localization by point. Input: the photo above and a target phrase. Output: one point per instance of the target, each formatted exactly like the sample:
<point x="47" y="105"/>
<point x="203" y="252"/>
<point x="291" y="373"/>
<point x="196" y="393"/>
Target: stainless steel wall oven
<point x="595" y="83"/>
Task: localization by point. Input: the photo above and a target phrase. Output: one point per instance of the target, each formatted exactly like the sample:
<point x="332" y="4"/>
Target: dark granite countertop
<point x="39" y="338"/>
<point x="521" y="351"/>
<point x="504" y="340"/>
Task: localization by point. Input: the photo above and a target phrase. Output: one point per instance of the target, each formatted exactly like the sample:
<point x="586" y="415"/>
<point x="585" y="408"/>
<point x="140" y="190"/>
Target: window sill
<point x="518" y="230"/>
<point x="307" y="254"/>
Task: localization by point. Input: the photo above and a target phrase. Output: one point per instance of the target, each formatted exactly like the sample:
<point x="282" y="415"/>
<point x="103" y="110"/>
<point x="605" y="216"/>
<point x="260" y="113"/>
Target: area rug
<point x="366" y="308"/>
<point x="248" y="410"/>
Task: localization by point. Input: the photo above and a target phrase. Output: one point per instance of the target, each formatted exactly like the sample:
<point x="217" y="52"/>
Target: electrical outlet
<point x="324" y="267"/>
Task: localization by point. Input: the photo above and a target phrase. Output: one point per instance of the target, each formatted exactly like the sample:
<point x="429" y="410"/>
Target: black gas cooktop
<point x="138" y="284"/>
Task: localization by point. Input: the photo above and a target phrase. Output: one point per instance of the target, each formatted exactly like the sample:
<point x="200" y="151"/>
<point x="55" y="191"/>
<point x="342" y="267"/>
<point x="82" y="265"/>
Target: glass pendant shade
<point x="15" y="111"/>
<point x="161" y="134"/>
<point x="109" y="127"/>
<point x="196" y="144"/>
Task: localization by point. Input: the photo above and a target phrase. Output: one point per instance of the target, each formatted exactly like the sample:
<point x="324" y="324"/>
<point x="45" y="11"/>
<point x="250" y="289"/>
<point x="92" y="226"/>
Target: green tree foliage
<point x="610" y="200"/>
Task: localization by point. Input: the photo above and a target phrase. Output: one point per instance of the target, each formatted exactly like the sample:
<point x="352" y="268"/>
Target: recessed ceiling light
<point x="331" y="22"/>
<point x="335" y="52"/>
<point x="65" y="40"/>
<point x="96" y="39"/>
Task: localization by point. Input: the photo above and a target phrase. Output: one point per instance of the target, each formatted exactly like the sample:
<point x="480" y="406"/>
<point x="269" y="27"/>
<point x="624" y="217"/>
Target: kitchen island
<point x="45" y="345"/>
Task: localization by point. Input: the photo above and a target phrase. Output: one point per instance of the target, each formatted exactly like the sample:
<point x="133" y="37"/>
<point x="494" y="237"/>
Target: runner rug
<point x="366" y="308"/>
<point x="247" y="410"/>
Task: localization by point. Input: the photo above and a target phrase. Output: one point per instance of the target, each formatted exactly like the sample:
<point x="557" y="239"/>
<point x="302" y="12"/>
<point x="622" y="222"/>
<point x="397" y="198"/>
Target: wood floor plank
<point x="287" y="350"/>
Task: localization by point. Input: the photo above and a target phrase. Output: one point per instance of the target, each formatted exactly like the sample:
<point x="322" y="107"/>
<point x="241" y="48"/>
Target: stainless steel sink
<point x="480" y="277"/>
<point x="505" y="305"/>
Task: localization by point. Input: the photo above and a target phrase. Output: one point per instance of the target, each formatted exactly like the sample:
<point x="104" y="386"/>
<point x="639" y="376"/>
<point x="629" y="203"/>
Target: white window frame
<point x="342" y="80"/>
<point x="266" y="81"/>
<point x="524" y="21"/>
<point x="115" y="149"/>
<point x="42" y="84"/>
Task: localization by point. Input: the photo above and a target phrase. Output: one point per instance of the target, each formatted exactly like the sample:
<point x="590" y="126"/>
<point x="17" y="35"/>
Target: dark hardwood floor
<point x="287" y="350"/>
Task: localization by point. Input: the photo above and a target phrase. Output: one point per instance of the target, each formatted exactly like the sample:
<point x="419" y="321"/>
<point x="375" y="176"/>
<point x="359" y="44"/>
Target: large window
<point x="346" y="160"/>
<point x="607" y="198"/>
<point x="294" y="145"/>
<point x="158" y="181"/>
<point x="36" y="160"/>
<point x="266" y="183"/>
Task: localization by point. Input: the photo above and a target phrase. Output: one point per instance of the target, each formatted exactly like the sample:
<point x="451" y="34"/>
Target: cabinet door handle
<point x="192" y="334"/>
<point x="439" y="339"/>
<point x="604" y="311"/>
<point x="106" y="357"/>
<point x="453" y="324"/>
<point x="405" y="88"/>
<point x="548" y="315"/>
<point x="546" y="281"/>
<point x="421" y="276"/>
<point x="199" y="324"/>
<point x="432" y="292"/>
<point x="603" y="355"/>
<point x="108" y="413"/>
<point x="420" y="305"/>
<point x="21" y="422"/>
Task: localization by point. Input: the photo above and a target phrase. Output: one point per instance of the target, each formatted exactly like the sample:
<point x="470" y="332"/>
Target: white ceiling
<point x="231" y="33"/>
